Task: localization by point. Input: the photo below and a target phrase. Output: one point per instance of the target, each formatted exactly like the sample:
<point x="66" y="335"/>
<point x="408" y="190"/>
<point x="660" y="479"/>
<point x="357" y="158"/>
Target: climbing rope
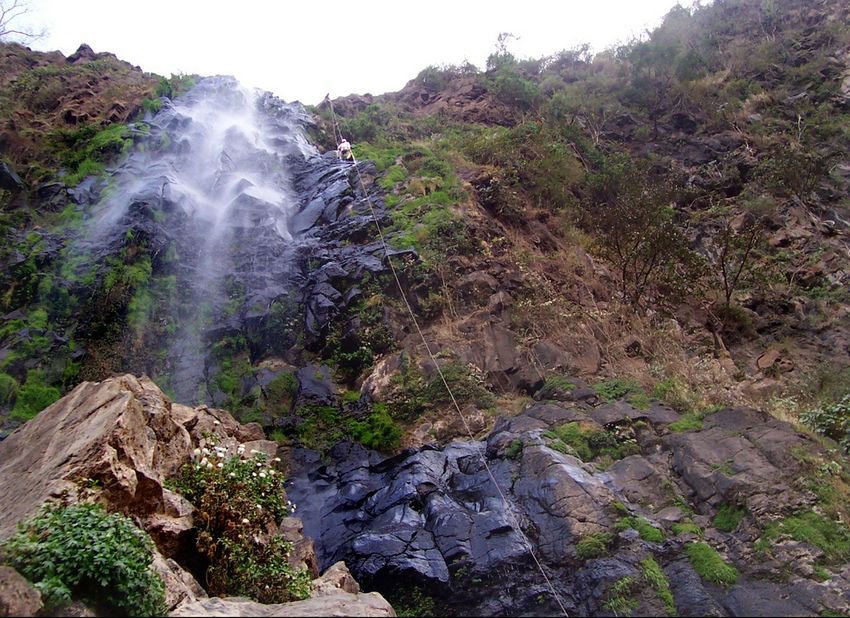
<point x="508" y="507"/>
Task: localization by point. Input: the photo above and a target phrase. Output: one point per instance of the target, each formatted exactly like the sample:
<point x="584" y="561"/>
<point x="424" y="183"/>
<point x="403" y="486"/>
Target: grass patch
<point x="617" y="388"/>
<point x="646" y="530"/>
<point x="809" y="527"/>
<point x="686" y="527"/>
<point x="555" y="386"/>
<point x="514" y="449"/>
<point x="621" y="600"/>
<point x="594" y="545"/>
<point x="692" y="421"/>
<point x="709" y="565"/>
<point x="728" y="517"/>
<point x="656" y="578"/>
<point x="588" y="443"/>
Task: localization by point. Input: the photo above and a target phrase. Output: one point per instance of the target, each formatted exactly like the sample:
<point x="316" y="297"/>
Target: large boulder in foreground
<point x="117" y="442"/>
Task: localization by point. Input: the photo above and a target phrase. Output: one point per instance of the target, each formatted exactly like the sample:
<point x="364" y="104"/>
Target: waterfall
<point x="211" y="173"/>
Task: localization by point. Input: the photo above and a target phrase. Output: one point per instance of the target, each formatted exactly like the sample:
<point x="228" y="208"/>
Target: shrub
<point x="617" y="388"/>
<point x="83" y="552"/>
<point x="588" y="443"/>
<point x="379" y="431"/>
<point x="728" y="517"/>
<point x="593" y="545"/>
<point x="514" y="449"/>
<point x="709" y="565"/>
<point x="33" y="396"/>
<point x="831" y="420"/>
<point x="239" y="501"/>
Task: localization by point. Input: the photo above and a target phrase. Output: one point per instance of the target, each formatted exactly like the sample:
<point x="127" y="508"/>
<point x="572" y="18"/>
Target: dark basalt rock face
<point x="433" y="518"/>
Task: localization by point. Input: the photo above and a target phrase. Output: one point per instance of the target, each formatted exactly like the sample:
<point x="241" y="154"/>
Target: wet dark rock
<point x="316" y="386"/>
<point x="9" y="180"/>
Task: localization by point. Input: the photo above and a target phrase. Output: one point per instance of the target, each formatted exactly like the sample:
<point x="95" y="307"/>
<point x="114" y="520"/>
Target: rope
<point x="505" y="501"/>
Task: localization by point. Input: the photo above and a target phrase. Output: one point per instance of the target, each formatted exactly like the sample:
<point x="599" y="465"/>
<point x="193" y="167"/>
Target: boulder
<point x="17" y="596"/>
<point x="339" y="604"/>
<point x="9" y="180"/>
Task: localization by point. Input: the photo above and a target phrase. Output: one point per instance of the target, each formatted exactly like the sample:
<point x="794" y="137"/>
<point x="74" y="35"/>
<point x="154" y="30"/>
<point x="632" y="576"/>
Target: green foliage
<point x="175" y="85"/>
<point x="514" y="449"/>
<point x="709" y="565"/>
<point x="621" y="599"/>
<point x="8" y="389"/>
<point x="411" y="602"/>
<point x="728" y="517"/>
<point x="691" y="421"/>
<point x="238" y="500"/>
<point x="831" y="420"/>
<point x="554" y="386"/>
<point x="617" y="388"/>
<point x="656" y="578"/>
<point x="279" y="394"/>
<point x="588" y="443"/>
<point x="686" y="527"/>
<point x="594" y="545"/>
<point x="80" y="551"/>
<point x="809" y="527"/>
<point x="379" y="431"/>
<point x="33" y="396"/>
<point x="85" y="150"/>
<point x="466" y="385"/>
<point x="646" y="530"/>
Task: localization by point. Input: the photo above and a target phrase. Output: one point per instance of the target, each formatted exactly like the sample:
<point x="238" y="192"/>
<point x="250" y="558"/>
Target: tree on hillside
<point x="631" y="216"/>
<point x="11" y="27"/>
<point x="735" y="244"/>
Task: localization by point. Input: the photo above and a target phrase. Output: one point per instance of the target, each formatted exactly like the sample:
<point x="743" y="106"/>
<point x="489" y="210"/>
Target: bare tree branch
<point x="11" y="11"/>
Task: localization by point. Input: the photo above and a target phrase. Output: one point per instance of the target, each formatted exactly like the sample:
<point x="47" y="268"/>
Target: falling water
<point x="218" y="161"/>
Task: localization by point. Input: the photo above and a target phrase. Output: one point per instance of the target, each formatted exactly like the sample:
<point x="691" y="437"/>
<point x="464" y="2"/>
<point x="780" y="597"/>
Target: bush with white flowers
<point x="239" y="502"/>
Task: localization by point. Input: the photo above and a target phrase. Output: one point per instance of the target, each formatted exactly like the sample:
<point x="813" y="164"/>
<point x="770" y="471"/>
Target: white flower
<point x="259" y="507"/>
<point x="245" y="521"/>
<point x="196" y="452"/>
<point x="204" y="461"/>
<point x="233" y="475"/>
<point x="259" y="464"/>
<point x="253" y="474"/>
<point x="217" y="422"/>
<point x="262" y="475"/>
<point x="220" y="465"/>
<point x="209" y="466"/>
<point x="205" y="450"/>
<point x="276" y="459"/>
<point x="241" y="449"/>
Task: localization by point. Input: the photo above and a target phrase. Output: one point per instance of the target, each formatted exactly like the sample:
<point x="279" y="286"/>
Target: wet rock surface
<point x="433" y="518"/>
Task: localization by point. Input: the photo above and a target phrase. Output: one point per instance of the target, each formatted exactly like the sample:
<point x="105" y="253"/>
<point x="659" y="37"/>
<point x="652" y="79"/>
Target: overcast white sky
<point x="304" y="50"/>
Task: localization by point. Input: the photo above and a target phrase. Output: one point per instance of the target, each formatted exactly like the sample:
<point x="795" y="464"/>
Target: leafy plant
<point x="620" y="597"/>
<point x="809" y="527"/>
<point x="831" y="420"/>
<point x="239" y="500"/>
<point x="80" y="551"/>
<point x="33" y="396"/>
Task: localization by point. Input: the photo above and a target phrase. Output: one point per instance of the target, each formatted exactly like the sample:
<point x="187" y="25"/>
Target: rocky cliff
<point x="630" y="270"/>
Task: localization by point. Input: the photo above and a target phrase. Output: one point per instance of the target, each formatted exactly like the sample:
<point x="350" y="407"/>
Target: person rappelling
<point x="343" y="151"/>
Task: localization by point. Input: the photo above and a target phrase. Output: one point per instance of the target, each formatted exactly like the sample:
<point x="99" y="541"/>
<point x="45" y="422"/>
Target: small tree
<point x="632" y="218"/>
<point x="11" y="12"/>
<point x="734" y="246"/>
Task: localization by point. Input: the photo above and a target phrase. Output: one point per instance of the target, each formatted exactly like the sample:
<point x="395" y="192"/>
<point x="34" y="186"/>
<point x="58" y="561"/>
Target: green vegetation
<point x="686" y="527"/>
<point x="555" y="386"/>
<point x="620" y="597"/>
<point x="656" y="578"/>
<point x="514" y="449"/>
<point x="728" y="517"/>
<point x="324" y="426"/>
<point x="8" y="389"/>
<point x="709" y="565"/>
<point x="594" y="545"/>
<point x="236" y="503"/>
<point x="379" y="431"/>
<point x="589" y="443"/>
<point x="411" y="602"/>
<point x="646" y="530"/>
<point x="616" y="388"/>
<point x="33" y="396"/>
<point x="809" y="527"/>
<point x="691" y="421"/>
<point x="831" y="420"/>
<point x="80" y="551"/>
<point x="84" y="151"/>
<point x="175" y="85"/>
